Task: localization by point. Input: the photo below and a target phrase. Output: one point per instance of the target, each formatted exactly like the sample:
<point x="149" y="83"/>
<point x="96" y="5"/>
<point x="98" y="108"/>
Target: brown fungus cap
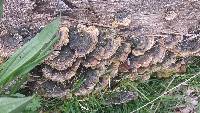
<point x="107" y="45"/>
<point x="64" y="37"/>
<point x="83" y="39"/>
<point x="169" y="41"/>
<point x="189" y="45"/>
<point x="90" y="82"/>
<point x="62" y="75"/>
<point x="141" y="44"/>
<point x="122" y="52"/>
<point x="65" y="59"/>
<point x="53" y="89"/>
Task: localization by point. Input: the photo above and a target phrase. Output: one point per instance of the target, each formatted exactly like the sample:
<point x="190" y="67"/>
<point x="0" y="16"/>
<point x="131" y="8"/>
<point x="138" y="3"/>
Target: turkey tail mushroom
<point x="61" y="75"/>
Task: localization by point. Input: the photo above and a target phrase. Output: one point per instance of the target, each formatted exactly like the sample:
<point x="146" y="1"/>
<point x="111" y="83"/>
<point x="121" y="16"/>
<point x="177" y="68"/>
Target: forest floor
<point x="178" y="93"/>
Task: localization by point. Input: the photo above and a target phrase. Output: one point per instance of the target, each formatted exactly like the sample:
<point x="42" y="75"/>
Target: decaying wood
<point x="102" y="38"/>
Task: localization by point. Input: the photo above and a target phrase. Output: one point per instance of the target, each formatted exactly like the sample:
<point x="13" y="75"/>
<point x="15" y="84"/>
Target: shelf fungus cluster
<point x="96" y="55"/>
<point x="109" y="41"/>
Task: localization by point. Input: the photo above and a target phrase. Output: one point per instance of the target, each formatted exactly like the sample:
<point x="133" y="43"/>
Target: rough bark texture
<point x="102" y="39"/>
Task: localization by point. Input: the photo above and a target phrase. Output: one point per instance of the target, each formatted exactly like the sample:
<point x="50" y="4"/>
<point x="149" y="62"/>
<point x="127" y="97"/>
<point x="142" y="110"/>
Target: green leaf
<point x="30" y="55"/>
<point x="14" y="88"/>
<point x="34" y="105"/>
<point x="1" y="8"/>
<point x="34" y="63"/>
<point x="13" y="105"/>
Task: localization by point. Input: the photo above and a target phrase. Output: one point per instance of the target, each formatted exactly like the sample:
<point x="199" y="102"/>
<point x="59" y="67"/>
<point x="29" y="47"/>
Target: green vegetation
<point x="154" y="95"/>
<point x="13" y="105"/>
<point x="23" y="61"/>
<point x="1" y="8"/>
<point x="147" y="90"/>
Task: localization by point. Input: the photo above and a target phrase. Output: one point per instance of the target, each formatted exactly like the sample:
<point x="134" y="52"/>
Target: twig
<point x="166" y="92"/>
<point x="141" y="93"/>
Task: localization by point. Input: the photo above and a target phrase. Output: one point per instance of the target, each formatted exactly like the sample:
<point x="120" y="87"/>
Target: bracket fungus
<point x="135" y="38"/>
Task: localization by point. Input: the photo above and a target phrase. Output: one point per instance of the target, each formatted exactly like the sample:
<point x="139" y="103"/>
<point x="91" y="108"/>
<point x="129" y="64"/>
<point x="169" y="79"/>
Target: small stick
<point x="166" y="92"/>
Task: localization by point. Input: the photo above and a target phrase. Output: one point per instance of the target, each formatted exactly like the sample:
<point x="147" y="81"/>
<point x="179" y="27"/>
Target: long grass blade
<point x="13" y="105"/>
<point x="1" y="8"/>
<point x="30" y="55"/>
<point x="195" y="75"/>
